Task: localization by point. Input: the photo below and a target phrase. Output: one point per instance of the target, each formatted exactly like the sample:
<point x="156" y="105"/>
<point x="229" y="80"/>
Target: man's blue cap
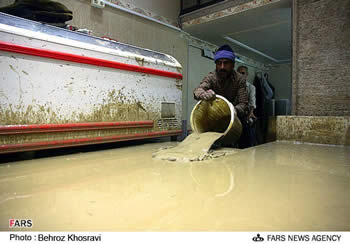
<point x="225" y="51"/>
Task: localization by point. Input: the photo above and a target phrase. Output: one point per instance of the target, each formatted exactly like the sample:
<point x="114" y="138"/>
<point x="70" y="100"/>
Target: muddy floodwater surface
<point x="194" y="147"/>
<point x="278" y="186"/>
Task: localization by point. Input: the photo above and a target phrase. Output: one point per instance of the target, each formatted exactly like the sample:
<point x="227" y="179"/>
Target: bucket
<point x="217" y="115"/>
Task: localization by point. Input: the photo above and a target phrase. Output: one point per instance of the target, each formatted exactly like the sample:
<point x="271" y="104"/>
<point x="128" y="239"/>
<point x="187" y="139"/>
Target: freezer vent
<point x="168" y="123"/>
<point x="167" y="110"/>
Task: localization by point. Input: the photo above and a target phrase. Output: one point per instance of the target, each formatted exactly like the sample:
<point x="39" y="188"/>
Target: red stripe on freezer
<point x="10" y="47"/>
<point x="83" y="141"/>
<point x="24" y="129"/>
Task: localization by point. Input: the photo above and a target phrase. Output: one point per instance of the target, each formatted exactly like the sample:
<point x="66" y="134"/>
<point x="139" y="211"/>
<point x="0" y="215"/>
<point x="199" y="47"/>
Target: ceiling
<point x="265" y="32"/>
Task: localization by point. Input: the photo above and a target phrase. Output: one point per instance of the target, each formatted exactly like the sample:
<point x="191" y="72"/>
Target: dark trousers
<point x="248" y="137"/>
<point x="261" y="128"/>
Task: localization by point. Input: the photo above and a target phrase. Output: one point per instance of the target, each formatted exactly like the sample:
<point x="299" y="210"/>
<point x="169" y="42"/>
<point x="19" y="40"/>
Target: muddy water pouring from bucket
<point x="211" y="121"/>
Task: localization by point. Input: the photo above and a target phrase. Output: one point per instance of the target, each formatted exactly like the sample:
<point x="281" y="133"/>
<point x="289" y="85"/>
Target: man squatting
<point x="225" y="81"/>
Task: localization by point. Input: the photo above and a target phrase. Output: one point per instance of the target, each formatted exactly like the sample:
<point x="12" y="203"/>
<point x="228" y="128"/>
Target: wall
<point x="333" y="130"/>
<point x="221" y="6"/>
<point x="281" y="78"/>
<point x="4" y="3"/>
<point x="321" y="37"/>
<point x="165" y="10"/>
<point x="253" y="67"/>
<point x="200" y="67"/>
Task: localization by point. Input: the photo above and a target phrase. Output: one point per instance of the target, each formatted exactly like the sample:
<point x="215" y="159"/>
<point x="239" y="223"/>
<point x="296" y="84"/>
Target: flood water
<point x="194" y="147"/>
<point x="278" y="186"/>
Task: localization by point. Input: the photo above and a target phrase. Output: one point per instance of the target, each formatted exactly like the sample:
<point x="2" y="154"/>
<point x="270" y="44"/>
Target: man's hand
<point x="251" y="115"/>
<point x="207" y="95"/>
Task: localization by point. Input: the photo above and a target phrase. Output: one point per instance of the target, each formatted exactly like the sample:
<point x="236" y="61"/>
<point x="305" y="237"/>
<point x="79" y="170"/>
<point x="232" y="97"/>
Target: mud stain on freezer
<point x="115" y="107"/>
<point x="140" y="61"/>
<point x="179" y="84"/>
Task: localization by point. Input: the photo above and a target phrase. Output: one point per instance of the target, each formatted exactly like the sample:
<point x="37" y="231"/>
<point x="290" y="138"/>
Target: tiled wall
<point x="322" y="129"/>
<point x="321" y="57"/>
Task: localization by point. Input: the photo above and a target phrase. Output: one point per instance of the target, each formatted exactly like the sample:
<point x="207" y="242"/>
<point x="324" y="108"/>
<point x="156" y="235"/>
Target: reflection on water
<point x="277" y="186"/>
